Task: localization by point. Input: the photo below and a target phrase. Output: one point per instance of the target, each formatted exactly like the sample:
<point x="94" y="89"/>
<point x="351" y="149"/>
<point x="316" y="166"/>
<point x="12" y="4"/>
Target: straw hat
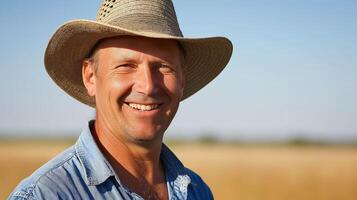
<point x="205" y="58"/>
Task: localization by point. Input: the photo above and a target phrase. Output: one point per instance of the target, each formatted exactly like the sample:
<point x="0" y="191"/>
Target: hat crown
<point x="156" y="16"/>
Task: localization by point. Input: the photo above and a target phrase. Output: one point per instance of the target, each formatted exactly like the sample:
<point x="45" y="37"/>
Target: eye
<point x="165" y="68"/>
<point x="125" y="68"/>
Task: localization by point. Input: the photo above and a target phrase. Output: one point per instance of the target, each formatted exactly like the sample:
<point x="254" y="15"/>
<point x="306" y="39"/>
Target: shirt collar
<point x="172" y="164"/>
<point x="177" y="175"/>
<point x="97" y="169"/>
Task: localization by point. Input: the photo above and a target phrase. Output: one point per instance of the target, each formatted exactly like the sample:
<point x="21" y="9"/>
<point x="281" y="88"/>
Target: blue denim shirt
<point x="82" y="172"/>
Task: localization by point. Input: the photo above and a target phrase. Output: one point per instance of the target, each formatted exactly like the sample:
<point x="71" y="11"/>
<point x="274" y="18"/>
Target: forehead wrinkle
<point x="130" y="56"/>
<point x="169" y="53"/>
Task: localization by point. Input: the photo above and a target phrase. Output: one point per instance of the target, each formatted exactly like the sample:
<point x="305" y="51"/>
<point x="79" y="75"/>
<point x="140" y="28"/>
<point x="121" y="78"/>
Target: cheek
<point x="112" y="89"/>
<point x="174" y="86"/>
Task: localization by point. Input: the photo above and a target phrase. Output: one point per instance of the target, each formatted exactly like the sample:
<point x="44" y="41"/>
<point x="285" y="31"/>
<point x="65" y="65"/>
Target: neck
<point x="137" y="166"/>
<point x="140" y="159"/>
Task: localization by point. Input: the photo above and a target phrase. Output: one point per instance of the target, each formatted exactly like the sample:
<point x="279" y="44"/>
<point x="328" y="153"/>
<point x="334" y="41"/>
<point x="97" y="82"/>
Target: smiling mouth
<point x="143" y="107"/>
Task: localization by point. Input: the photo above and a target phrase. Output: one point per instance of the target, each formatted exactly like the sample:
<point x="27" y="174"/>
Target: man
<point x="134" y="66"/>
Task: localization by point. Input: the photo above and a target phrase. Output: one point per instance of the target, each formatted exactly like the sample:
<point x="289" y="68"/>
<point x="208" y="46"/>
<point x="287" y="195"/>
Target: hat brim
<point x="205" y="58"/>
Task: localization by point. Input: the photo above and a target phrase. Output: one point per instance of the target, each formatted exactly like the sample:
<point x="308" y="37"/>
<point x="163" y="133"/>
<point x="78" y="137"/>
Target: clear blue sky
<point x="293" y="69"/>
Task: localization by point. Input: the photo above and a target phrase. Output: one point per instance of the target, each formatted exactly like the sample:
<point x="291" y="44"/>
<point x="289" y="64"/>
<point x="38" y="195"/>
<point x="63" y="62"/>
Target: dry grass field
<point x="233" y="171"/>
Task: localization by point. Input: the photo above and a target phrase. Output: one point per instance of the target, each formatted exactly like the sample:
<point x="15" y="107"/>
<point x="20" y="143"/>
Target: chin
<point x="147" y="135"/>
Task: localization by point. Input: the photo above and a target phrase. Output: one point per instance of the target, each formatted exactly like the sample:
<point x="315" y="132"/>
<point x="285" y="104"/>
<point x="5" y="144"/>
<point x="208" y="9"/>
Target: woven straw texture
<point x="205" y="58"/>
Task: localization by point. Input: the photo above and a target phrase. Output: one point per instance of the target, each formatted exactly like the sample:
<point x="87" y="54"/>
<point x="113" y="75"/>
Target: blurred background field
<point x="233" y="170"/>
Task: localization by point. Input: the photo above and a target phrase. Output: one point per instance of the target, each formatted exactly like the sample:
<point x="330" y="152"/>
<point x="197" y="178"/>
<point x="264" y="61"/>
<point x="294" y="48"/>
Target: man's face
<point x="138" y="86"/>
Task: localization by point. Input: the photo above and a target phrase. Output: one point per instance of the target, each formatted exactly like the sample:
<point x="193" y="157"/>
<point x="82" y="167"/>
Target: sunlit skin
<point x="127" y="71"/>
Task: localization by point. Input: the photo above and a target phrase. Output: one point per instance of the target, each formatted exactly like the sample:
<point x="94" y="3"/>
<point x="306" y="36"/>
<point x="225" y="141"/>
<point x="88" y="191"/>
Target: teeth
<point x="143" y="107"/>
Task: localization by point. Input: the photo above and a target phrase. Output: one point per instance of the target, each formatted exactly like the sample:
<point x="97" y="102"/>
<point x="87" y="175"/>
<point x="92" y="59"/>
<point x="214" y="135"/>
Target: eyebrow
<point x="128" y="58"/>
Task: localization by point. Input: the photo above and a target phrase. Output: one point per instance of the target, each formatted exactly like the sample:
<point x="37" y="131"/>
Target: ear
<point x="88" y="76"/>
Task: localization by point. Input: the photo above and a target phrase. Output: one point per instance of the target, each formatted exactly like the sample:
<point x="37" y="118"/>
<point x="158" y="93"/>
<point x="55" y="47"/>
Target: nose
<point x="147" y="81"/>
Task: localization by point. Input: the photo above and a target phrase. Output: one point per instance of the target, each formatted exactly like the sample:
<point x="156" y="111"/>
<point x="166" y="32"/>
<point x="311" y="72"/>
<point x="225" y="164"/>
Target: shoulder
<point x="52" y="176"/>
<point x="198" y="189"/>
